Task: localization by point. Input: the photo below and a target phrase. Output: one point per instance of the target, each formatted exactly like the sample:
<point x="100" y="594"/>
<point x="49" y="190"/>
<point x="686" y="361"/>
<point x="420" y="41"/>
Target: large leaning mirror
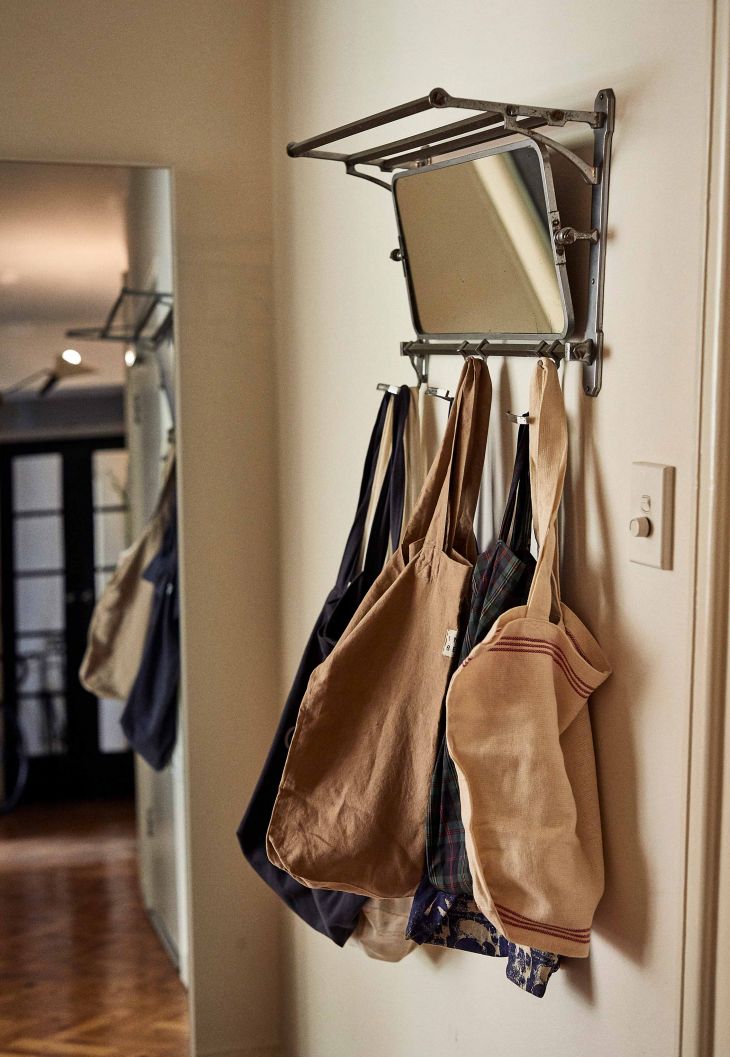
<point x="477" y="242"/>
<point x="86" y="443"/>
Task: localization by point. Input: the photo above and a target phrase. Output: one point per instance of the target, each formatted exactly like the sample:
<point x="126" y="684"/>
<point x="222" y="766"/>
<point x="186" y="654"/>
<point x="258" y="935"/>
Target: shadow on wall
<point x="623" y="914"/>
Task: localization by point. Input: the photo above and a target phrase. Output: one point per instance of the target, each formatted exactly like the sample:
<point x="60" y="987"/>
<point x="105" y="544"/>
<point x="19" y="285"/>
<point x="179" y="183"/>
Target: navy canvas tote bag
<point x="332" y="913"/>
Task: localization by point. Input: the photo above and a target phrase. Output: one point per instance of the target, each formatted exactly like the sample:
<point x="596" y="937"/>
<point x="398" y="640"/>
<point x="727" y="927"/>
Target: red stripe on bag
<point x="543" y="931"/>
<point x="547" y="652"/>
<point x="529" y="923"/>
<point x="512" y="916"/>
<point x="552" y="646"/>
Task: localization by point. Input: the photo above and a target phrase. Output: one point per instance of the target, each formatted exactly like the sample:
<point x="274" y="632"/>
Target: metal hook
<point x="442" y="394"/>
<point x="419" y="363"/>
<point x="553" y="349"/>
<point x="383" y="387"/>
<point x="462" y="348"/>
<point x="519" y="420"/>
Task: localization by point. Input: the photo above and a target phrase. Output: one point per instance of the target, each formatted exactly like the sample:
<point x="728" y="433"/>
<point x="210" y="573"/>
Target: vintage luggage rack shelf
<point x="494" y="122"/>
<point x="137" y="316"/>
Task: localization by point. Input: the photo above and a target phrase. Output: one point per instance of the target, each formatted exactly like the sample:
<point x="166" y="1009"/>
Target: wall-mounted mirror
<point x="477" y="241"/>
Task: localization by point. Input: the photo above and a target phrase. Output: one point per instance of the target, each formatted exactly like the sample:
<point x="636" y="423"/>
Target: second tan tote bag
<point x="352" y="800"/>
<point x="519" y="732"/>
<point x="121" y="615"/>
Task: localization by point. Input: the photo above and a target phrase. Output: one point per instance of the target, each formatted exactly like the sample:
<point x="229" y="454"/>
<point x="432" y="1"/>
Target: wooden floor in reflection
<point x="82" y="973"/>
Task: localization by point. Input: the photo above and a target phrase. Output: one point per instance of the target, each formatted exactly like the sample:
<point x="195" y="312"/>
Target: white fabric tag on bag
<point x="450" y="643"/>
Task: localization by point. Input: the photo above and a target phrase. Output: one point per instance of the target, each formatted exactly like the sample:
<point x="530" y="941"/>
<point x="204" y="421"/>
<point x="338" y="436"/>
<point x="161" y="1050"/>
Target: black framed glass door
<point x="63" y="519"/>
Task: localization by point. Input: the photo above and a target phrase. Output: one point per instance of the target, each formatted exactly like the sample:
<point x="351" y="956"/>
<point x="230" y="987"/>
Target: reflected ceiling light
<point x="130" y="357"/>
<point x="71" y="356"/>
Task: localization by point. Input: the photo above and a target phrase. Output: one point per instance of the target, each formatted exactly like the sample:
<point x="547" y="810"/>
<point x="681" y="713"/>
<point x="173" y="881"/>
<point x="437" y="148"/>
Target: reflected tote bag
<point x="118" y="626"/>
<point x="149" y="719"/>
<point x="333" y="913"/>
<point x="519" y="733"/>
<point x="352" y="801"/>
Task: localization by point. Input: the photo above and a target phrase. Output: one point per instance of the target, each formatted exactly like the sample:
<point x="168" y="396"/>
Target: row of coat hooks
<point x="419" y="362"/>
<point x="418" y="352"/>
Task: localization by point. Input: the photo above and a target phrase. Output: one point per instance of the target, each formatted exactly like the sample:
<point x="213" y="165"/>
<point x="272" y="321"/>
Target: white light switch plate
<point x="652" y="497"/>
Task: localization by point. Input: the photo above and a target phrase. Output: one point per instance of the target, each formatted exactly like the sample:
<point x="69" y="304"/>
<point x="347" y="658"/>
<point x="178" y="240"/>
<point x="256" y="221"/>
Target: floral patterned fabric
<point x="455" y="921"/>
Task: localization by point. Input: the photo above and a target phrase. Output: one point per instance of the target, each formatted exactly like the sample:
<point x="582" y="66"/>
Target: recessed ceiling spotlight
<point x="71" y="356"/>
<point x="130" y="357"/>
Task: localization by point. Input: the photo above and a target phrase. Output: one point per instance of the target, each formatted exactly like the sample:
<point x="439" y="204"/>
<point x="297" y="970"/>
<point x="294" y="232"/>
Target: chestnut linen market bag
<point x="118" y="627"/>
<point x="519" y="733"/>
<point x="352" y="800"/>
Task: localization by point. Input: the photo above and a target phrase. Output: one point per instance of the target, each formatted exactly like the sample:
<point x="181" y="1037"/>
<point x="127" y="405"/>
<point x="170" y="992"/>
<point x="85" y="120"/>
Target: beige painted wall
<point x="341" y="311"/>
<point x="185" y="84"/>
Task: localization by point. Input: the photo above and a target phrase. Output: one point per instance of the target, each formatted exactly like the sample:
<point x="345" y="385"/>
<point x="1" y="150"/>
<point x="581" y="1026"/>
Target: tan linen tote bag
<point x="381" y="926"/>
<point x="121" y="615"/>
<point x="519" y="732"/>
<point x="352" y="799"/>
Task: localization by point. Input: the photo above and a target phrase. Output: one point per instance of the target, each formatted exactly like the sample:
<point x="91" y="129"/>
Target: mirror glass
<point x="86" y="434"/>
<point x="479" y="255"/>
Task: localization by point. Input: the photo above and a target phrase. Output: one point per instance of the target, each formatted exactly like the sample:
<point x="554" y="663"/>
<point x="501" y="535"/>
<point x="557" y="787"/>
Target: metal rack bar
<point x="572" y="352"/>
<point x="111" y="330"/>
<point x="375" y="155"/>
<point x="477" y="139"/>
<point x="353" y="128"/>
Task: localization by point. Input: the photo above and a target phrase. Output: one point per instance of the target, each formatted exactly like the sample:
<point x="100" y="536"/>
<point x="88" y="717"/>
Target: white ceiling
<point x="63" y="254"/>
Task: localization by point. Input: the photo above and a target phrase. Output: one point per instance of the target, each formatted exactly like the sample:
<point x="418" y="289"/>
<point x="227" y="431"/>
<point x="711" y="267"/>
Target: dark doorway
<point x="63" y="514"/>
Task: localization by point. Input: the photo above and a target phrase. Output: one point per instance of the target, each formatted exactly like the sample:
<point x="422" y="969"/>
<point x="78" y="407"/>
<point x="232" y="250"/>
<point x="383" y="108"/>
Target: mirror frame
<point x="554" y="223"/>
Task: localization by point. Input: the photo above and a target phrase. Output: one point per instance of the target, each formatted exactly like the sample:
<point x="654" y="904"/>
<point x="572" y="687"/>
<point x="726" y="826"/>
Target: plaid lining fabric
<point x="501" y="580"/>
<point x="443" y="911"/>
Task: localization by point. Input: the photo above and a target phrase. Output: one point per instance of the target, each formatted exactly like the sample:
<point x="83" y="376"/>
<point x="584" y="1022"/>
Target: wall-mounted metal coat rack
<point x="543" y="315"/>
<point x="135" y="316"/>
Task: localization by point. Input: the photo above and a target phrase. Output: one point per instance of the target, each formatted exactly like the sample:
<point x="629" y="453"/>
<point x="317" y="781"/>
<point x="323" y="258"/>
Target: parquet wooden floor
<point x="82" y="973"/>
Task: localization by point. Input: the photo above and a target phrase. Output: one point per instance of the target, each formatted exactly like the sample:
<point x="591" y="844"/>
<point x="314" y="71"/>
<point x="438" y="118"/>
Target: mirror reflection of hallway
<point x="93" y="866"/>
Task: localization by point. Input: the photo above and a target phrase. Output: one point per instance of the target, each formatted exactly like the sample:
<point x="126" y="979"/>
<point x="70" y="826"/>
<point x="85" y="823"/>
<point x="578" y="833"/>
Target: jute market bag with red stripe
<point x="519" y="732"/>
<point x="352" y="800"/>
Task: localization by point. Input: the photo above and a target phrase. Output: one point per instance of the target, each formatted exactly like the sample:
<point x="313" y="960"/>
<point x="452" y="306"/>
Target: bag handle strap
<point x="350" y="557"/>
<point x="403" y="410"/>
<point x="548" y="461"/>
<point x="166" y="494"/>
<point x="444" y="513"/>
<point x="522" y="529"/>
<point x="388" y="517"/>
<point x="517" y="519"/>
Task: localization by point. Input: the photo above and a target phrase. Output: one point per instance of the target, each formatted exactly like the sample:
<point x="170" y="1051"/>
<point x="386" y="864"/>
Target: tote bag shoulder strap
<point x="444" y="512"/>
<point x="167" y="488"/>
<point x="388" y="516"/>
<point x="548" y="461"/>
<point x="350" y="557"/>
<point x="516" y="520"/>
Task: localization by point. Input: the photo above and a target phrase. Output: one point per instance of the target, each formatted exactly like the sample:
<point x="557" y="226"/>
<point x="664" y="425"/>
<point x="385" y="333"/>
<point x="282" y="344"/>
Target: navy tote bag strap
<point x="517" y="519"/>
<point x="388" y="518"/>
<point x="349" y="564"/>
